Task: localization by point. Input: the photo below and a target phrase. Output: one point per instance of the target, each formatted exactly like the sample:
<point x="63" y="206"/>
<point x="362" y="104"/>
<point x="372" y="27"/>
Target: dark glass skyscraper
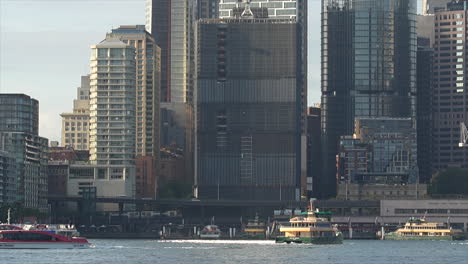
<point x="249" y="105"/>
<point x="368" y="69"/>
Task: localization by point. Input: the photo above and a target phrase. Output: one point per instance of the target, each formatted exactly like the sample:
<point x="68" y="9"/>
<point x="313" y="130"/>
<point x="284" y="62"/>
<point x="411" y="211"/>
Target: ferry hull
<point x="209" y="236"/>
<point x="43" y="245"/>
<point x="393" y="236"/>
<point x="311" y="240"/>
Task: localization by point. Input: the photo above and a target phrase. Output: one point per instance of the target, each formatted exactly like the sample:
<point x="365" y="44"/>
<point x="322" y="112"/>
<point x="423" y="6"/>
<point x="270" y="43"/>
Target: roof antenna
<point x="247" y="12"/>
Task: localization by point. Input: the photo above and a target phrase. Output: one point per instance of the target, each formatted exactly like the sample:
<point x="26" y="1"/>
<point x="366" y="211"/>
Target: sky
<point x="45" y="48"/>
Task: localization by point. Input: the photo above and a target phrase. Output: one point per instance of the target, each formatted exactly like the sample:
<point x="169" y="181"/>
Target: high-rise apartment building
<point x="8" y="192"/>
<point x="450" y="99"/>
<point x="249" y="129"/>
<point x="112" y="101"/>
<point x="148" y="72"/>
<point x="75" y="125"/>
<point x="368" y="70"/>
<point x="19" y="140"/>
<point x="19" y="113"/>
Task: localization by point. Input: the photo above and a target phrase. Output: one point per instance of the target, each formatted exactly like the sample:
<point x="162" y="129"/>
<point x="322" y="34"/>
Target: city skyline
<point x="79" y="33"/>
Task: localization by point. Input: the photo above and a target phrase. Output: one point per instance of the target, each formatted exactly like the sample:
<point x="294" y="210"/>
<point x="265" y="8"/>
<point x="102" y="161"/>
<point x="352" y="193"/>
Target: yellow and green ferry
<point x="419" y="229"/>
<point x="311" y="227"/>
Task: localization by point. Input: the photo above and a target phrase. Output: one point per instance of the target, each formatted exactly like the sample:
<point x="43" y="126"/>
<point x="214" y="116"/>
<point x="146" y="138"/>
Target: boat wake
<point x="235" y="242"/>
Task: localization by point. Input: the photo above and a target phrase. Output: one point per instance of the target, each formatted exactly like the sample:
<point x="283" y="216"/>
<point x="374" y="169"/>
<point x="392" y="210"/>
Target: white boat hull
<point x="210" y="236"/>
<point x="42" y="245"/>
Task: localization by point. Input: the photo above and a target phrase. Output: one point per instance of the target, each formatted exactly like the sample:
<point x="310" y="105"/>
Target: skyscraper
<point x="112" y="100"/>
<point x="170" y="24"/>
<point x="147" y="86"/>
<point x="249" y="129"/>
<point x="450" y="100"/>
<point x="368" y="69"/>
<point x="430" y="6"/>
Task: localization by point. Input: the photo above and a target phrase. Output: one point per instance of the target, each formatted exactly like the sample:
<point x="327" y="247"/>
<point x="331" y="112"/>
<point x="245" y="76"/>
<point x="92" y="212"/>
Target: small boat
<point x="420" y="229"/>
<point x="210" y="232"/>
<point x="312" y="227"/>
<point x="26" y="239"/>
<point x="255" y="229"/>
<point x="10" y="227"/>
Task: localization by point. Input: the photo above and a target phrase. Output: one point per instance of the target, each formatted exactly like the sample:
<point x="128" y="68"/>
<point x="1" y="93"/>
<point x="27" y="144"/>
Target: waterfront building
<point x="249" y="110"/>
<point x="450" y="101"/>
<point x="19" y="129"/>
<point x="19" y="113"/>
<point x="381" y="151"/>
<point x="148" y="71"/>
<point x="75" y="125"/>
<point x="361" y="77"/>
<point x="7" y="178"/>
<point x="112" y="116"/>
<point x="30" y="154"/>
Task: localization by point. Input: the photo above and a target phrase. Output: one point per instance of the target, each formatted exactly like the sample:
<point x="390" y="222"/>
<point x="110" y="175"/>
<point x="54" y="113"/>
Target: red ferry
<point x="25" y="239"/>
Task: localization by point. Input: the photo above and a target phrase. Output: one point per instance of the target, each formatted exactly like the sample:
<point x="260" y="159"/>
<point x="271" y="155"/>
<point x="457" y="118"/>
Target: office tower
<point x="170" y="24"/>
<point x="207" y="8"/>
<point x="75" y="125"/>
<point x="19" y="113"/>
<point x="424" y="108"/>
<point x="147" y="86"/>
<point x="314" y="161"/>
<point x="249" y="130"/>
<point x="275" y="8"/>
<point x="368" y="71"/>
<point x="450" y="100"/>
<point x="430" y="6"/>
<point x="19" y="139"/>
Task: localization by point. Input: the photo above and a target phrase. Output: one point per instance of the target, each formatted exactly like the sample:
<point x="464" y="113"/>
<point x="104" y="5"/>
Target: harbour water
<point x="201" y="251"/>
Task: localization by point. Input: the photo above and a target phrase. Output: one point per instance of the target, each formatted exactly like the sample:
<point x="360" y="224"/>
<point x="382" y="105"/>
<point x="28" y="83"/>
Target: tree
<point x="450" y="181"/>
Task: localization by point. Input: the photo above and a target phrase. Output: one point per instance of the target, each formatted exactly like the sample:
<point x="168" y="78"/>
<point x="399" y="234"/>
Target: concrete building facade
<point x="148" y="72"/>
<point x="112" y="117"/>
<point x="75" y="125"/>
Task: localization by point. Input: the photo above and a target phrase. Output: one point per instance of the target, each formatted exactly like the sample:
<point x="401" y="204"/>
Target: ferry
<point x="311" y="227"/>
<point x="210" y="232"/>
<point x="255" y="229"/>
<point x="420" y="229"/>
<point x="25" y="239"/>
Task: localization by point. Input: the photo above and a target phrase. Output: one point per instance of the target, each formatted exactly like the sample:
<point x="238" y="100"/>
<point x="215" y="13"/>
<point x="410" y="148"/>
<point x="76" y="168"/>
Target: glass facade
<point x="19" y="113"/>
<point x="248" y="118"/>
<point x="368" y="68"/>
